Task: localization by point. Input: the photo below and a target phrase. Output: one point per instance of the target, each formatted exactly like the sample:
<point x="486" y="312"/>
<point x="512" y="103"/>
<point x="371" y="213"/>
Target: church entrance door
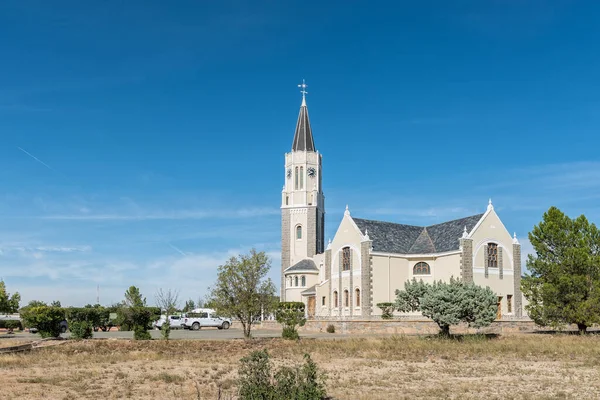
<point x="311" y="307"/>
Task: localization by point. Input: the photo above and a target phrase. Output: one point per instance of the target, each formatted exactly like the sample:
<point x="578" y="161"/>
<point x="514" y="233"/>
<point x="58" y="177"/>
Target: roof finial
<point x="367" y="235"/>
<point x="347" y="212"/>
<point x="490" y="205"/>
<point x="515" y="240"/>
<point x="465" y="233"/>
<point x="303" y="87"/>
<point x="329" y="244"/>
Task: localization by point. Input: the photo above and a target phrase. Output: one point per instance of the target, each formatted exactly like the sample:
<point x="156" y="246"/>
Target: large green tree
<point x="563" y="284"/>
<point x="8" y="304"/>
<point x="242" y="289"/>
<point x="449" y="303"/>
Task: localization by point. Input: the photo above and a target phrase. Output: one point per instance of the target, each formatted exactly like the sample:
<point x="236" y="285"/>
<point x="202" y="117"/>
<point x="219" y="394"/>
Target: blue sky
<point x="143" y="141"/>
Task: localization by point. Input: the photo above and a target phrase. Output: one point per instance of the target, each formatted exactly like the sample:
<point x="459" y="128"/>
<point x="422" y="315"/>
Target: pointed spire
<point x="347" y="212"/>
<point x="303" y="138"/>
<point x="367" y="235"/>
<point x="465" y="233"/>
<point x="490" y="205"/>
<point x="515" y="240"/>
<point x="329" y="244"/>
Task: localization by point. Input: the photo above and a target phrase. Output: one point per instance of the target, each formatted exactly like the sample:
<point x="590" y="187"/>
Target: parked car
<point x="204" y="318"/>
<point x="64" y="326"/>
<point x="174" y="320"/>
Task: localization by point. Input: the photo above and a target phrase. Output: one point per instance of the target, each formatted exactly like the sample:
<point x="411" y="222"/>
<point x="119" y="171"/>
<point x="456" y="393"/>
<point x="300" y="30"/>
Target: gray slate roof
<point x="303" y="138"/>
<point x="303" y="265"/>
<point x="389" y="237"/>
<point x="310" y="291"/>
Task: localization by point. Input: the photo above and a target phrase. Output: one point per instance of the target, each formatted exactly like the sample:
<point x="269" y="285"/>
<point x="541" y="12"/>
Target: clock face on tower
<point x="289" y="173"/>
<point x="311" y="172"/>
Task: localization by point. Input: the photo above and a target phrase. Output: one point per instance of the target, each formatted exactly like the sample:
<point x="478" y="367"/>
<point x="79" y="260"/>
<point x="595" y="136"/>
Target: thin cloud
<point x="177" y="249"/>
<point x="36" y="159"/>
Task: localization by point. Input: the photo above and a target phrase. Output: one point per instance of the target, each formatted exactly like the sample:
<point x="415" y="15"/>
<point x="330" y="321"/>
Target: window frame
<point x="346" y="298"/>
<point x="418" y="267"/>
<point x="303" y="281"/>
<point x="335" y="299"/>
<point x="299" y="232"/>
<point x="357" y="294"/>
<point x="492" y="255"/>
<point x="296" y="281"/>
<point x="346" y="258"/>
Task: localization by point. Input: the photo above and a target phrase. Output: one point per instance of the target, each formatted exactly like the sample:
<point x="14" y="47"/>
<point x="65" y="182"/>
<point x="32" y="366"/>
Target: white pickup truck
<point x="204" y="318"/>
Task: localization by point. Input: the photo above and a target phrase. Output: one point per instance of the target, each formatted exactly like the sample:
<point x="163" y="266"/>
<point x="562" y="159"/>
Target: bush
<point x="81" y="330"/>
<point x="290" y="314"/>
<point x="449" y="303"/>
<point x="295" y="383"/>
<point x="45" y="318"/>
<point x="330" y="328"/>
<point x="141" y="333"/>
<point x="11" y="324"/>
<point x="165" y="330"/>
<point x="290" y="333"/>
<point x="387" y="310"/>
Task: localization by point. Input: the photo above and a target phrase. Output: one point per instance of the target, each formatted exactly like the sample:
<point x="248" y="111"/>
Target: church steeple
<point x="302" y="198"/>
<point x="303" y="138"/>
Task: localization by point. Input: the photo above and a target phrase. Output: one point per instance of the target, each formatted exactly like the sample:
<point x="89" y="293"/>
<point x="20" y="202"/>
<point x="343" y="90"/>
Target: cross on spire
<point x="303" y="87"/>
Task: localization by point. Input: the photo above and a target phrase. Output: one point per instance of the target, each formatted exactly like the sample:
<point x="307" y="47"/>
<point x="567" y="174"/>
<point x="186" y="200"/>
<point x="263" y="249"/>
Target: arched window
<point x="301" y="177"/>
<point x="357" y="292"/>
<point x="295" y="281"/>
<point x="287" y="200"/>
<point x="492" y="252"/>
<point x="346" y="257"/>
<point x="303" y="281"/>
<point x="296" y="179"/>
<point x="291" y="281"/>
<point x="299" y="232"/>
<point x="335" y="298"/>
<point x="346" y="298"/>
<point x="421" y="268"/>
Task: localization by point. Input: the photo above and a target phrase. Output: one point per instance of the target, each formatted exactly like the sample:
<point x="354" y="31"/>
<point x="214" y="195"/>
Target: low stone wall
<point x="407" y="327"/>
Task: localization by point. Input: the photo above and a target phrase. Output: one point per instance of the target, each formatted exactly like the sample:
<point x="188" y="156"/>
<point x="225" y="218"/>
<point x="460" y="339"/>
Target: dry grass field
<point x="525" y="366"/>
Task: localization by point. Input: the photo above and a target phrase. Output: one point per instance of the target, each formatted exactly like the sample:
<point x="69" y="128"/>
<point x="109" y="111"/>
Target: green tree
<point x="8" y="304"/>
<point x="189" y="306"/>
<point x="45" y="318"/>
<point x="242" y="289"/>
<point x="290" y="314"/>
<point x="563" y="284"/>
<point x="133" y="298"/>
<point x="449" y="303"/>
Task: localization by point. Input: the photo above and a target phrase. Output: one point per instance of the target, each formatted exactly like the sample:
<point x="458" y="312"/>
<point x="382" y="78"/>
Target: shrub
<point x="290" y="314"/>
<point x="45" y="318"/>
<point x="141" y="333"/>
<point x="298" y="383"/>
<point x="449" y="303"/>
<point x="81" y="330"/>
<point x="387" y="310"/>
<point x="11" y="324"/>
<point x="330" y="328"/>
<point x="165" y="330"/>
<point x="290" y="333"/>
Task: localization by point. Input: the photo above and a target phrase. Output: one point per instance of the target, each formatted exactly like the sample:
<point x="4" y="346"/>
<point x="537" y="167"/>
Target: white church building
<point x="368" y="260"/>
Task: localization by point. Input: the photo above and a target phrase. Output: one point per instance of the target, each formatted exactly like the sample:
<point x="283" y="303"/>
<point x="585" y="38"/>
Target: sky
<point x="142" y="142"/>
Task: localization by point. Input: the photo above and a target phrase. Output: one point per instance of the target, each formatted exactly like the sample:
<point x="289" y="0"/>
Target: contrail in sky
<point x="176" y="249"/>
<point x="36" y="159"/>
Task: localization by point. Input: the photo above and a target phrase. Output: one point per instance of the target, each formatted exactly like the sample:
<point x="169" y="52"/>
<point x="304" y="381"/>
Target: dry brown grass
<point x="528" y="366"/>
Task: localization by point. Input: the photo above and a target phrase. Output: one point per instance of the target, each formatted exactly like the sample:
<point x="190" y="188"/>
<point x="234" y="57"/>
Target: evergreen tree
<point x="563" y="286"/>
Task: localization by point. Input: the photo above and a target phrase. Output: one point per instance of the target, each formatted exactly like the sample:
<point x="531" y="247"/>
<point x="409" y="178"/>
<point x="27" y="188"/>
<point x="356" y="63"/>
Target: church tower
<point x="302" y="200"/>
